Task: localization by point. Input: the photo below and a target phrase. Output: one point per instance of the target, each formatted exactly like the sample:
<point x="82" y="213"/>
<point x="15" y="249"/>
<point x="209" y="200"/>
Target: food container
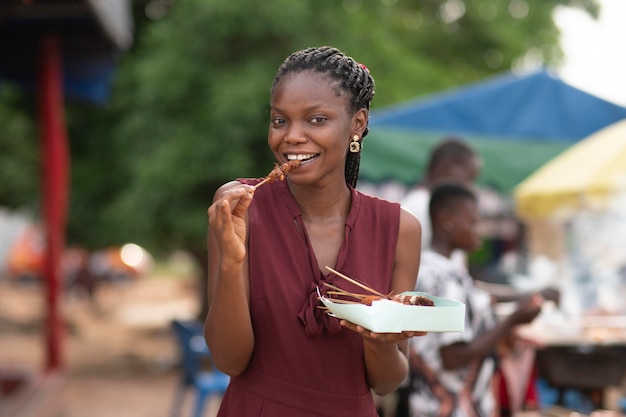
<point x="387" y="316"/>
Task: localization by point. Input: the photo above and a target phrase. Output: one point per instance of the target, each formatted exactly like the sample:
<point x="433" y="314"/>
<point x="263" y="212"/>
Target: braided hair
<point x="353" y="78"/>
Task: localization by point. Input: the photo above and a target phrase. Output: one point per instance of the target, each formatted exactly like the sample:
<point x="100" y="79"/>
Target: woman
<point x="269" y="246"/>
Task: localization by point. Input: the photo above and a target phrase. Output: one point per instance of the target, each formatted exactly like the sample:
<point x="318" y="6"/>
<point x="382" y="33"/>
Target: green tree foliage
<point x="19" y="151"/>
<point x="189" y="109"/>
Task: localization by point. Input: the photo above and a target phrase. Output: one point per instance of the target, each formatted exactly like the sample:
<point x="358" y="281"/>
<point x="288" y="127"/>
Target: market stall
<point x="586" y="354"/>
<point x="575" y="210"/>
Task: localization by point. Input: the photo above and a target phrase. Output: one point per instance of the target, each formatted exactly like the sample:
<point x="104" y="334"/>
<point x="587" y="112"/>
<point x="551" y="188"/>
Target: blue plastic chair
<point x="194" y="355"/>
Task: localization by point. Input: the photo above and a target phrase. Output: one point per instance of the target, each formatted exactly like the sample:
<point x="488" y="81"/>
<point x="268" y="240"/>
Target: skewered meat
<point x="279" y="172"/>
<point x="415" y="300"/>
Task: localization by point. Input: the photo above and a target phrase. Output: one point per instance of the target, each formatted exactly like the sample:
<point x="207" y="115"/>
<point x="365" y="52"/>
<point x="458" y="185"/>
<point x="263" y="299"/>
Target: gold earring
<point x="355" y="146"/>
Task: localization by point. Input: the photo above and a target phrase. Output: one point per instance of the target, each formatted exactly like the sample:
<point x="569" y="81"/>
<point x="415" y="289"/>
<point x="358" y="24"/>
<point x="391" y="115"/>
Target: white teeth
<point x="299" y="157"/>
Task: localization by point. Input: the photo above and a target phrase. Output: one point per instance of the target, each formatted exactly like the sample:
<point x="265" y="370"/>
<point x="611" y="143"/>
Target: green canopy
<point x="401" y="155"/>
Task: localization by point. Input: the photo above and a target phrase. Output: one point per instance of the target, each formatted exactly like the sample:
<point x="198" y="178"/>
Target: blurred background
<point x="119" y="119"/>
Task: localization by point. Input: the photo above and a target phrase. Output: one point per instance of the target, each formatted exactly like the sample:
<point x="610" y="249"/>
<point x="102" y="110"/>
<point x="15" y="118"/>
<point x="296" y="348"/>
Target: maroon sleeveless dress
<point x="304" y="364"/>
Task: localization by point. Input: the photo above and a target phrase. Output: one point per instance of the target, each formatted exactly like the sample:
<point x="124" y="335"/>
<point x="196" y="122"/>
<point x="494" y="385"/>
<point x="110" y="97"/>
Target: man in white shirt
<point x="452" y="160"/>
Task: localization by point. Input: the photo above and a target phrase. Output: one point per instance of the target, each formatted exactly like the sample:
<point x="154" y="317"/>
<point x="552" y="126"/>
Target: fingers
<point x="529" y="308"/>
<point x="241" y="200"/>
<point x="382" y="337"/>
<point x="536" y="302"/>
<point x="227" y="221"/>
<point x="233" y="202"/>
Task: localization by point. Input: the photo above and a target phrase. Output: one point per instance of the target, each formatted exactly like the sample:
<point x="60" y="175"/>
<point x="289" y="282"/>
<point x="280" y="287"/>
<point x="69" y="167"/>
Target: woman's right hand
<point x="227" y="220"/>
<point x="228" y="325"/>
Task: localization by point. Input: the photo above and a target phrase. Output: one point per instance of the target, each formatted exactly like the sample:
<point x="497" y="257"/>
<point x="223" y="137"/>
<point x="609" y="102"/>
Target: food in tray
<point x="346" y="297"/>
<point x="350" y="297"/>
<point x="393" y="313"/>
<point x="411" y="300"/>
<point x="279" y="172"/>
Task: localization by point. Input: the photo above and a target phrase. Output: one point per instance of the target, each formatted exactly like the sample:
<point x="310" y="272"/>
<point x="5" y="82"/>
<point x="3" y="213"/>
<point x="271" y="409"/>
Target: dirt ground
<point x="118" y="352"/>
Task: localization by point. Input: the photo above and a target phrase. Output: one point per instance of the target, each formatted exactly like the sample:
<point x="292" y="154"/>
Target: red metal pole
<point x="55" y="188"/>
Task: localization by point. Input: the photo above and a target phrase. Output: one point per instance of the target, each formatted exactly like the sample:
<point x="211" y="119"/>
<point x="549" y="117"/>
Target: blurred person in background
<point x="454" y="374"/>
<point x="450" y="160"/>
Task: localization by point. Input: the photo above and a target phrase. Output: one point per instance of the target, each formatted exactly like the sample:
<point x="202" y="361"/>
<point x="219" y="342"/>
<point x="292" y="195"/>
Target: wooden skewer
<point x="359" y="296"/>
<point x="358" y="284"/>
<point x="342" y="292"/>
<point x="261" y="183"/>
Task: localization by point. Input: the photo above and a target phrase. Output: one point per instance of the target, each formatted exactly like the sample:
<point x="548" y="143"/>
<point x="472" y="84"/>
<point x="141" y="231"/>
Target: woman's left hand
<point x="380" y="337"/>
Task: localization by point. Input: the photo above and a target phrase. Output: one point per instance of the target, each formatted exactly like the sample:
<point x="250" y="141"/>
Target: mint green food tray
<point x="386" y="316"/>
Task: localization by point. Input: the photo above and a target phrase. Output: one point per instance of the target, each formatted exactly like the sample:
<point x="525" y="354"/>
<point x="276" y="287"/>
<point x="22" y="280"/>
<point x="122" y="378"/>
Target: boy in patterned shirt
<point x="452" y="373"/>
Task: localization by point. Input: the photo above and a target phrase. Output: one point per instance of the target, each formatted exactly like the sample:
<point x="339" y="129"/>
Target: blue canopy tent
<point x="516" y="123"/>
<point x="58" y="49"/>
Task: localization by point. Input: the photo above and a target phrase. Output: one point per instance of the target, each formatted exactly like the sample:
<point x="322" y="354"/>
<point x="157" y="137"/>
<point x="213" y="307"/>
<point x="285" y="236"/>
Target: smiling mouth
<point x="303" y="158"/>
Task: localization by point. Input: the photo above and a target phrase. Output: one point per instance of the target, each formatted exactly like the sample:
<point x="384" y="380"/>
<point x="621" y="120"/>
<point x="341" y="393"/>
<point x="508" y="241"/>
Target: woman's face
<point x="310" y="121"/>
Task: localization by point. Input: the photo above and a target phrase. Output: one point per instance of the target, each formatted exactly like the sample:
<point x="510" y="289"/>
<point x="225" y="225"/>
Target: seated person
<point x="452" y="374"/>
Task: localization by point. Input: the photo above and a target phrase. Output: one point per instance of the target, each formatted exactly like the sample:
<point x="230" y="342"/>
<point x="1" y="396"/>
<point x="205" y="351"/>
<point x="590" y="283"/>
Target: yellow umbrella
<point x="585" y="176"/>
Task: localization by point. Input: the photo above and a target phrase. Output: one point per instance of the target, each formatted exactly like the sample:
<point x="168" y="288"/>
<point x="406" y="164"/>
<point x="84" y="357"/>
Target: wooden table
<point x="588" y="354"/>
<point x="588" y="368"/>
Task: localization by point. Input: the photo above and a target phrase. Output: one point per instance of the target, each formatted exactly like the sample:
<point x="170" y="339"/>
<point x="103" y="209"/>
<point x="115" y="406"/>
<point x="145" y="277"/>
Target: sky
<point x="595" y="57"/>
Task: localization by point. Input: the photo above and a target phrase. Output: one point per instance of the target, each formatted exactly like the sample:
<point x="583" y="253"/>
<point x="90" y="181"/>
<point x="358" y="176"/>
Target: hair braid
<point x="352" y="77"/>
